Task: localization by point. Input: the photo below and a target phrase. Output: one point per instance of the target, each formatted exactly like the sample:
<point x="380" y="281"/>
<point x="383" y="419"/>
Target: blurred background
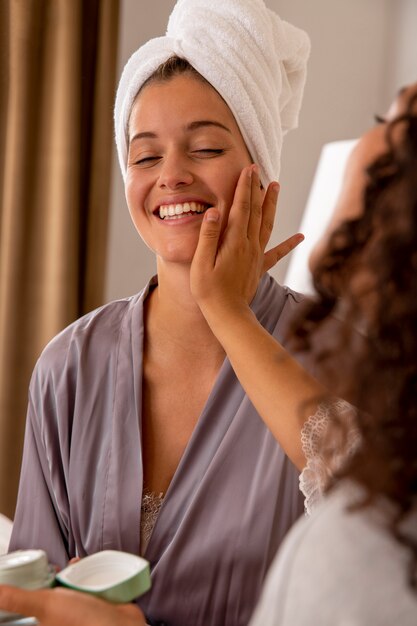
<point x="66" y="241"/>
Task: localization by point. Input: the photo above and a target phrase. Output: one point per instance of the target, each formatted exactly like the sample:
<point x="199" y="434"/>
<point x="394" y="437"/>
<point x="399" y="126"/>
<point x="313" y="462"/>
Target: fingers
<point x="274" y="255"/>
<point x="240" y="210"/>
<point x="208" y="241"/>
<point x="256" y="208"/>
<point x="251" y="216"/>
<point x="268" y="214"/>
<point x="253" y="210"/>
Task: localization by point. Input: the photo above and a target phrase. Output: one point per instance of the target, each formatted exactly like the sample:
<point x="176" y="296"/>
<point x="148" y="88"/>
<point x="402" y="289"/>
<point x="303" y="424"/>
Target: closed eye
<point x="147" y="160"/>
<point x="208" y="152"/>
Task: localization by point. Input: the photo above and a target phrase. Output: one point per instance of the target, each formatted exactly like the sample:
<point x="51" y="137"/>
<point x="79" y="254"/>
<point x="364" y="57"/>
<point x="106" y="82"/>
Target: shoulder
<point x="93" y="336"/>
<point x="275" y="305"/>
<point x="270" y="290"/>
<point x="338" y="537"/>
<point x="325" y="565"/>
<point x="101" y="323"/>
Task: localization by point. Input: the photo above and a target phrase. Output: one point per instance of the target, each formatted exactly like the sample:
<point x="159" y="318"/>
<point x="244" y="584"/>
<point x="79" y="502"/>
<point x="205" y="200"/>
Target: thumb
<point x="209" y="237"/>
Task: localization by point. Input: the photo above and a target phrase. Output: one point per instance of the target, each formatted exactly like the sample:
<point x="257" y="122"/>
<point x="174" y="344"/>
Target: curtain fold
<point x="57" y="84"/>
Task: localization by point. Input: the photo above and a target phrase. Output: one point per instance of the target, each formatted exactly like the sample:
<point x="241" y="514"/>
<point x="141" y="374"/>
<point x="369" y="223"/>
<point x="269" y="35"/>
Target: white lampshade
<point x="321" y="202"/>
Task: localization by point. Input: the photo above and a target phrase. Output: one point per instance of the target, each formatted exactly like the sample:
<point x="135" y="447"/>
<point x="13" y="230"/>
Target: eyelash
<point x="210" y="151"/>
<point x="145" y="160"/>
<point x="379" y="119"/>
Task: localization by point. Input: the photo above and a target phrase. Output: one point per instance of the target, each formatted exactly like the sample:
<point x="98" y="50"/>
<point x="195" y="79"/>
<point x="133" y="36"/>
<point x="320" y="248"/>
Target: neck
<point x="173" y="315"/>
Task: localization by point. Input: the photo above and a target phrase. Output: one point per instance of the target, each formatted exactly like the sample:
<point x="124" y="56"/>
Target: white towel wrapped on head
<point x="254" y="59"/>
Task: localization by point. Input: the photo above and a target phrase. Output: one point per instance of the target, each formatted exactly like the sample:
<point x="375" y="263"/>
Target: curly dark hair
<point x="368" y="274"/>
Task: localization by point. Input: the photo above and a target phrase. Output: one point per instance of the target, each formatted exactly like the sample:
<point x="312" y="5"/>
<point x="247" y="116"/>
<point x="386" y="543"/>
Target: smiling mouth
<point x="176" y="211"/>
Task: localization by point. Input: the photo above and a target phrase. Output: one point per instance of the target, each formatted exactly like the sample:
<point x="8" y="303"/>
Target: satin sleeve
<point x="42" y="512"/>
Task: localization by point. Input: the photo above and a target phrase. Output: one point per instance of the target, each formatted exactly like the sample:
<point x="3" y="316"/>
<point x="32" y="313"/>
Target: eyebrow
<point x="189" y="128"/>
<point x="200" y="123"/>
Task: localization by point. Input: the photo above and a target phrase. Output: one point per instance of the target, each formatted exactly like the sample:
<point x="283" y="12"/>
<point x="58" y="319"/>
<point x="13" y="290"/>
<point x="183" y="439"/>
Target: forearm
<point x="283" y="393"/>
<point x="225" y="273"/>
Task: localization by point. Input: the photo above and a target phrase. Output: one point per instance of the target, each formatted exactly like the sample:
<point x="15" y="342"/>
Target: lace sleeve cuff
<point x="316" y="473"/>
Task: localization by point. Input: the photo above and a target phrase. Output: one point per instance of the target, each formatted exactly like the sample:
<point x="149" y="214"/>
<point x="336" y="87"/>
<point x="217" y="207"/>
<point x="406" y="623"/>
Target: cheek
<point x="135" y="194"/>
<point x="227" y="179"/>
<point x="227" y="193"/>
<point x="129" y="187"/>
<point x="132" y="188"/>
<point x="135" y="200"/>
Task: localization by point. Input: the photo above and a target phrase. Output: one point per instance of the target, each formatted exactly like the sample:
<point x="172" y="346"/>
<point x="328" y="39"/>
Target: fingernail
<point x="211" y="215"/>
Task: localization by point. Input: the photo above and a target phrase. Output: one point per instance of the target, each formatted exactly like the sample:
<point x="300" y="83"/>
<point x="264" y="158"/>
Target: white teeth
<point x="173" y="210"/>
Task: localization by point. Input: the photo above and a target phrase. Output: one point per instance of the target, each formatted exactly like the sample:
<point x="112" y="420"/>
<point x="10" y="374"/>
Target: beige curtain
<point x="57" y="85"/>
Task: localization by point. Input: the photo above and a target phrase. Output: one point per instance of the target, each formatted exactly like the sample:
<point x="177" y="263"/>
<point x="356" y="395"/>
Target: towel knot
<point x="177" y="48"/>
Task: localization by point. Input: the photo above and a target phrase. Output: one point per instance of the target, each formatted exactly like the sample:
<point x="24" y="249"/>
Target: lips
<point x="179" y="209"/>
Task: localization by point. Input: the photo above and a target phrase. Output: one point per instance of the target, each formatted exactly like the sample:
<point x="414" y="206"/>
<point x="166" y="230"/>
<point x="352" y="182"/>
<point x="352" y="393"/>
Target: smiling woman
<point x="184" y="137"/>
<point x="139" y="435"/>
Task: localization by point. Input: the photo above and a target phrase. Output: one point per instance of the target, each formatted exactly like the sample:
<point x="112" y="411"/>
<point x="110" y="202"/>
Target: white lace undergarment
<point x="151" y="505"/>
<point x="313" y="477"/>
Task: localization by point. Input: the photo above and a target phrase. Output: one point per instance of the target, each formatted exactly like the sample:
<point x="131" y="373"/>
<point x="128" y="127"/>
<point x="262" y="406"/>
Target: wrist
<point x="225" y="316"/>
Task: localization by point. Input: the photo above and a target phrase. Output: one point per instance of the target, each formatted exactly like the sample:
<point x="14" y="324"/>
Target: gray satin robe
<point x="233" y="497"/>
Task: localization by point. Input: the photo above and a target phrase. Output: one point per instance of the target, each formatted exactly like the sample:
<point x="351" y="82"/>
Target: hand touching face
<point x="229" y="262"/>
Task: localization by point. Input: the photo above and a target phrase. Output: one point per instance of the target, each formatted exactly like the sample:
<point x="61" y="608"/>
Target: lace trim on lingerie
<point x="150" y="507"/>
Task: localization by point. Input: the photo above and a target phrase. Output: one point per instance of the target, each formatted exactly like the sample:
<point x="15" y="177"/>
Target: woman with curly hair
<point x="355" y="561"/>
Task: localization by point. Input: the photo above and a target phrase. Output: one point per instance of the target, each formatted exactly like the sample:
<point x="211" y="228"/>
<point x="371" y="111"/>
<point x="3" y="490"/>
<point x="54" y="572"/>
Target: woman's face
<point x="371" y="145"/>
<point x="185" y="154"/>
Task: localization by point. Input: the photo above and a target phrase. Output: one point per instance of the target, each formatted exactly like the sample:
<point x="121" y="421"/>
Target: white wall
<point x="401" y="67"/>
<point x="362" y="51"/>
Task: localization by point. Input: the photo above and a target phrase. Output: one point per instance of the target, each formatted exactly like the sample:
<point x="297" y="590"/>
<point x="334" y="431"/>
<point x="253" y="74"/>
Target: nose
<point x="175" y="171"/>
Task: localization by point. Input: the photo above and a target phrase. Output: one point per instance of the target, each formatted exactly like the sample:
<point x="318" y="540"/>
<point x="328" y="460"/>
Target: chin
<point x="180" y="256"/>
